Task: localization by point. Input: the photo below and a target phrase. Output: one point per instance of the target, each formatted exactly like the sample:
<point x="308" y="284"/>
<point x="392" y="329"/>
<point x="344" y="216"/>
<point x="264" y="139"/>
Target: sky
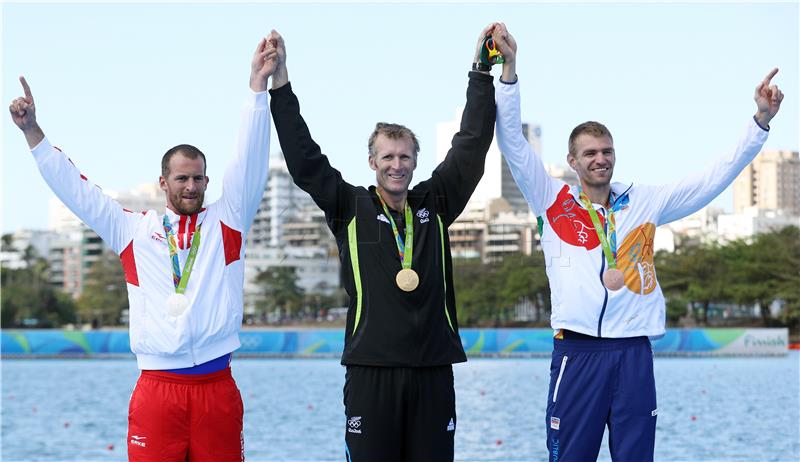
<point x="116" y="85"/>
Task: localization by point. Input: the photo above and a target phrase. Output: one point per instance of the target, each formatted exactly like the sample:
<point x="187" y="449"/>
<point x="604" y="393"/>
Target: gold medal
<point x="613" y="279"/>
<point x="407" y="279"/>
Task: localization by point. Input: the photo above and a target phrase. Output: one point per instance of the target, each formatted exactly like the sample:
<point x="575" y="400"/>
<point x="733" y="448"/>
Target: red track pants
<point x="177" y="417"/>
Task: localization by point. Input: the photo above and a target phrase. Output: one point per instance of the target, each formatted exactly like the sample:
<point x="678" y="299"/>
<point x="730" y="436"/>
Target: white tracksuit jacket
<point x="573" y="255"/>
<point x="209" y="328"/>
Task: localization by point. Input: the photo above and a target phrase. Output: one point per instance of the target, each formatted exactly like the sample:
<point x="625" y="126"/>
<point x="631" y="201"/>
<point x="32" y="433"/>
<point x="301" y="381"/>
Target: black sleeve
<point x="308" y="167"/>
<point x="456" y="178"/>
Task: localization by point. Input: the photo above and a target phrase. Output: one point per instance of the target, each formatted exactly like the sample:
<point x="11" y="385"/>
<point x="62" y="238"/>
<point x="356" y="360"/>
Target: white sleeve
<point x="690" y="194"/>
<point x="527" y="168"/>
<point x="85" y="199"/>
<point x="246" y="175"/>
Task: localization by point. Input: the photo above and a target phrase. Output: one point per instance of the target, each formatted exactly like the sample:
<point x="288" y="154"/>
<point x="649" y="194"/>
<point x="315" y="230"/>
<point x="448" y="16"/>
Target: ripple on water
<point x="294" y="410"/>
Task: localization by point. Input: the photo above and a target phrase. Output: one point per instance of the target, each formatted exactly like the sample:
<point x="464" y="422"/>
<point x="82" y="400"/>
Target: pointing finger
<point x="26" y="89"/>
<point x="770" y="76"/>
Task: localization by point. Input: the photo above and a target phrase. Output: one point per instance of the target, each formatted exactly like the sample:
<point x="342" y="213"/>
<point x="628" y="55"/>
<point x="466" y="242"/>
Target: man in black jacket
<point x="402" y="333"/>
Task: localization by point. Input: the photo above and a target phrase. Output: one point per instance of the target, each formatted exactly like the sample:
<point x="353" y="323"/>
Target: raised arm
<point x="457" y="176"/>
<point x="309" y="168"/>
<point x="526" y="166"/>
<point x="685" y="197"/>
<point x="246" y="175"/>
<point x="101" y="213"/>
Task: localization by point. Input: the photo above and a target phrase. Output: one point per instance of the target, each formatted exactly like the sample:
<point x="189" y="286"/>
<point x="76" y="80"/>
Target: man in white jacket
<point x="606" y="299"/>
<point x="185" y="296"/>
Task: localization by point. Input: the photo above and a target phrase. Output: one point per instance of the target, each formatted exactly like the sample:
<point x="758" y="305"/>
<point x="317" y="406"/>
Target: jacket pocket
<point x="560" y="376"/>
<point x="159" y="333"/>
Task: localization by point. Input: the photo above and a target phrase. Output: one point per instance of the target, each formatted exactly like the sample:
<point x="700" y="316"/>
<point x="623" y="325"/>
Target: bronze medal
<point x="407" y="279"/>
<point x="613" y="279"/>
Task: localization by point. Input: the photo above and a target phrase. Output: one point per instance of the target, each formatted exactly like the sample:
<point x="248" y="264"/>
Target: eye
<point x="198" y="178"/>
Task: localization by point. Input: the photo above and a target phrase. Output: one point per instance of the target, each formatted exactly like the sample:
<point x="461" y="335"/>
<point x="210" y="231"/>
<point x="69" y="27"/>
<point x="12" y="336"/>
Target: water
<point x="721" y="409"/>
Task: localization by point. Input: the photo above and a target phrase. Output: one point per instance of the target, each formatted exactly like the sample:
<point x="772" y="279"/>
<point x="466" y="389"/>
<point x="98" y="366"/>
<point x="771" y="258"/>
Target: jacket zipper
<point x="603" y="265"/>
<point x="605" y="291"/>
<point x="560" y="375"/>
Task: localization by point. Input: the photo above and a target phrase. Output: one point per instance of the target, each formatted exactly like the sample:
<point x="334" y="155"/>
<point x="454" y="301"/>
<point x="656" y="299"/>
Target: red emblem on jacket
<point x="571" y="222"/>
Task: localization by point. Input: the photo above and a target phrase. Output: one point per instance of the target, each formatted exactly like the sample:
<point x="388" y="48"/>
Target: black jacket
<point x="385" y="325"/>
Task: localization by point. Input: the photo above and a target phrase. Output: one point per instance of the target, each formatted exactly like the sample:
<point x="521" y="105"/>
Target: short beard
<point x="189" y="211"/>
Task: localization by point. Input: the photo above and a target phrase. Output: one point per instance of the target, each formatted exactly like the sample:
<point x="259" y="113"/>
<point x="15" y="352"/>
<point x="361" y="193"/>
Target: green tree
<point x="105" y="293"/>
<point x="280" y="290"/>
<point x="470" y="277"/>
<point x="487" y="293"/>
<point x="767" y="269"/>
<point x="28" y="298"/>
<point x="698" y="274"/>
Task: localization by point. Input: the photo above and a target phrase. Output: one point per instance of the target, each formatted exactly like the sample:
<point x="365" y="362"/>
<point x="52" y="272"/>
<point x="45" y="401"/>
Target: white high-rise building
<point x="497" y="181"/>
<point x="289" y="230"/>
<point x="281" y="202"/>
<point x="771" y="181"/>
<point x="76" y="247"/>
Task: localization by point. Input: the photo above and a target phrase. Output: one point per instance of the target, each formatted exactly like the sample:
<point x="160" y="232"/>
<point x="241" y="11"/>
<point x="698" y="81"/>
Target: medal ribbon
<point x="405" y="248"/>
<point x="609" y="243"/>
<point x="180" y="280"/>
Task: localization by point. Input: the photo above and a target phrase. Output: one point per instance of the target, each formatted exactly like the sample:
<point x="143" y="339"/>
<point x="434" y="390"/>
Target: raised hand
<point x="281" y="75"/>
<point x="486" y="31"/>
<point x="505" y="44"/>
<point x="23" y="110"/>
<point x="23" y="113"/>
<point x="263" y="65"/>
<point x="768" y="99"/>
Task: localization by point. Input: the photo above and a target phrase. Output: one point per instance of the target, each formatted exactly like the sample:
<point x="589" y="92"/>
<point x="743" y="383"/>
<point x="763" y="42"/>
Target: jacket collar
<point x="619" y="193"/>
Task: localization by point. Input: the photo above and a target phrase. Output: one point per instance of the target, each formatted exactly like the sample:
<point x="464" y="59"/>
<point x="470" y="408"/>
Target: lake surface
<point x="709" y="409"/>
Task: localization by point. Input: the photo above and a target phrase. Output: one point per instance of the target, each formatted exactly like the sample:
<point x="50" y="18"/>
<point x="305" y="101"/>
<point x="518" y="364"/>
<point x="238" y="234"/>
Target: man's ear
<point x="571" y="161"/>
<point x="372" y="162"/>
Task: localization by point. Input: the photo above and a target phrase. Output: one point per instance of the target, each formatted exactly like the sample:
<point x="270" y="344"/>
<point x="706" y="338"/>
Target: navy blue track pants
<point x="599" y="382"/>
